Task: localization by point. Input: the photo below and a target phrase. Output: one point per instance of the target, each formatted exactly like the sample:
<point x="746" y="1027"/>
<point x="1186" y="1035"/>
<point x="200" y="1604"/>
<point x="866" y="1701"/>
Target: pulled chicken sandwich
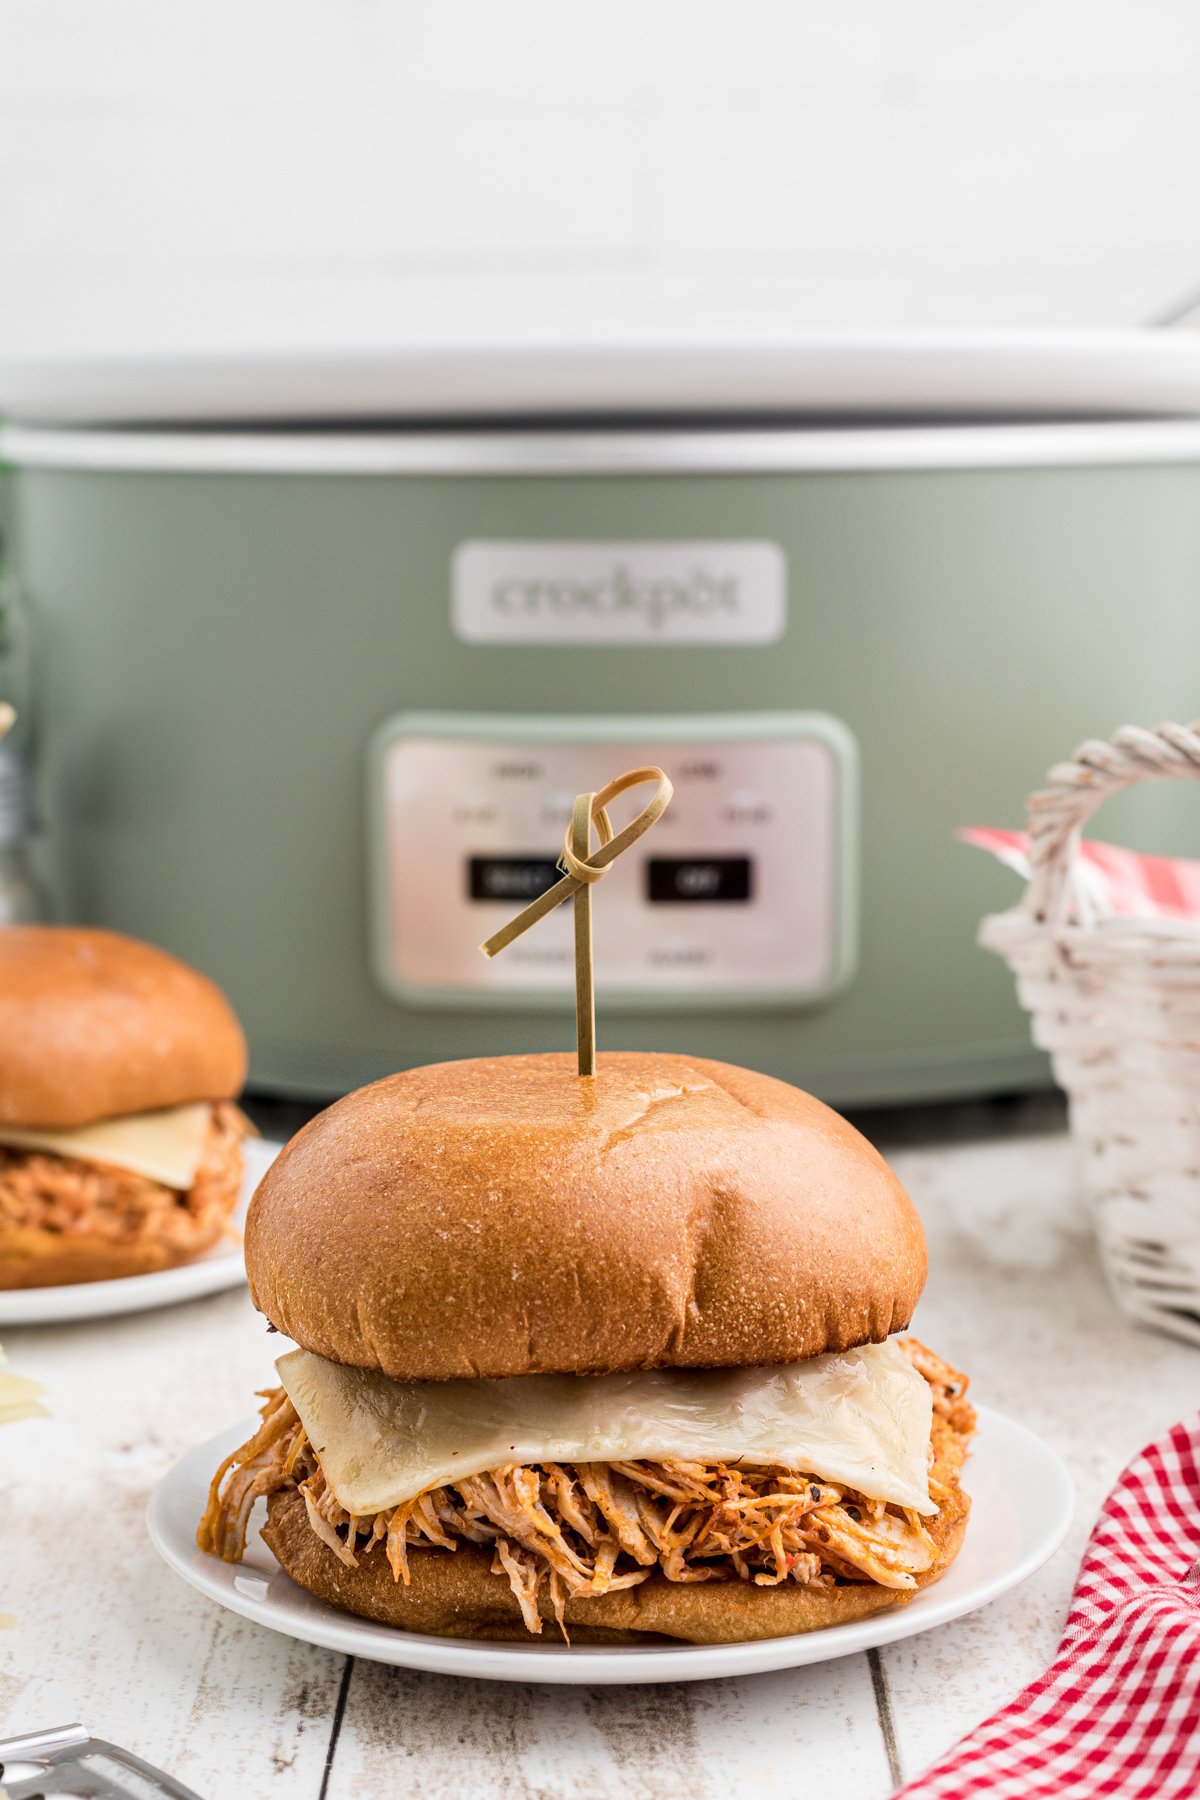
<point x="120" y="1143"/>
<point x="618" y="1355"/>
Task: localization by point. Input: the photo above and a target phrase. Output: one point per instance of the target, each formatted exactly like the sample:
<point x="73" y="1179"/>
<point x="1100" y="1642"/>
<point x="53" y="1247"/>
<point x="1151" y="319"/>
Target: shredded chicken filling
<point x="590" y="1528"/>
<point x="71" y="1198"/>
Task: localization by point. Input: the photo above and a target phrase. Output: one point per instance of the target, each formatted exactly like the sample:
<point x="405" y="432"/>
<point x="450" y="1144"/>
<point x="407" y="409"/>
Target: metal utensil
<point x="68" y="1761"/>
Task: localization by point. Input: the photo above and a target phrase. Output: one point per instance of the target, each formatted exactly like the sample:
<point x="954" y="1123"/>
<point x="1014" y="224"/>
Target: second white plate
<point x="1022" y="1507"/>
<point x="221" y="1267"/>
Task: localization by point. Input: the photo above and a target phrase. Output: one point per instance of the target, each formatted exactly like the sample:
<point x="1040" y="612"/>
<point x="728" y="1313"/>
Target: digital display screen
<point x="519" y="878"/>
<point x="699" y="880"/>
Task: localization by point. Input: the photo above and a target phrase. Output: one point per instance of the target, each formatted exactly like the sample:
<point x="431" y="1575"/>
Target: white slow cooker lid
<point x="1058" y="375"/>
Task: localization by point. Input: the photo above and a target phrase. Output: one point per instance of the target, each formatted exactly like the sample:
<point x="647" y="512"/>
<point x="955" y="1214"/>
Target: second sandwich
<point x="120" y="1145"/>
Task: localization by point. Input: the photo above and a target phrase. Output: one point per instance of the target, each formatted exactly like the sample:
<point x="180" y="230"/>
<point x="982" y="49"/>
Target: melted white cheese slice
<point x="861" y="1419"/>
<point x="18" y="1398"/>
<point x="163" y="1146"/>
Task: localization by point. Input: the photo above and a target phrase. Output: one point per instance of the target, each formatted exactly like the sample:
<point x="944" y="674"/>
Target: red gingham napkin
<point x="1118" y="1710"/>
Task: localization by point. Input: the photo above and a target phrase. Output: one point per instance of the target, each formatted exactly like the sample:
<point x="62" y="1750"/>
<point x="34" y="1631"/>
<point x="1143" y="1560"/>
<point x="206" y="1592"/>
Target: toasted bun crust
<point x="503" y="1217"/>
<point x="456" y="1594"/>
<point x="30" y="1259"/>
<point x="93" y="1025"/>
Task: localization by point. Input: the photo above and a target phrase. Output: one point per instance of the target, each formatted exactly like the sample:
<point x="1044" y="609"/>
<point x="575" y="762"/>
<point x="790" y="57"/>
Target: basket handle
<point x="1074" y="790"/>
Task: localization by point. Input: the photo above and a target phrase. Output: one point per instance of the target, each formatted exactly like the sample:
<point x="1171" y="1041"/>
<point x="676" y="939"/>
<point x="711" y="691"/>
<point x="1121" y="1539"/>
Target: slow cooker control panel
<point x="741" y="894"/>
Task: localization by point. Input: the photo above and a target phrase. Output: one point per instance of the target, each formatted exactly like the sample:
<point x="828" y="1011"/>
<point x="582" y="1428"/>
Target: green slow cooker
<point x="319" y="658"/>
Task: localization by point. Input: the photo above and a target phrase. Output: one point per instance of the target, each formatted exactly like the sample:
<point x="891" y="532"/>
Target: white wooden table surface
<point x="107" y="1635"/>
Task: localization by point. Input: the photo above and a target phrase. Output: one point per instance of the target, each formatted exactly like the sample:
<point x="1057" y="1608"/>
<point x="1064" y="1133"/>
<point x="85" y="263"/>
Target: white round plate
<point x="1022" y="1507"/>
<point x="221" y="1267"/>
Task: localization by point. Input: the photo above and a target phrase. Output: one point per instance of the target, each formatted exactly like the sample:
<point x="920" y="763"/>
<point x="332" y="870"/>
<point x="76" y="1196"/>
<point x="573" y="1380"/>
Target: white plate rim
<point x="219" y="1268"/>
<point x="600" y="1664"/>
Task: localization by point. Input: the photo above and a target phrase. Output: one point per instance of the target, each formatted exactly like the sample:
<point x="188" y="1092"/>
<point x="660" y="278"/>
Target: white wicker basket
<point x="1116" y="1002"/>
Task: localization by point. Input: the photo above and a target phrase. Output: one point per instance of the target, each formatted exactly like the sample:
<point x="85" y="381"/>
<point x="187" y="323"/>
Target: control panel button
<point x="698" y="880"/>
<point x="519" y="878"/>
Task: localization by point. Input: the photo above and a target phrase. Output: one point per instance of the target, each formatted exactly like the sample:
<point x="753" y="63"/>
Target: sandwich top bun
<point x="94" y="1026"/>
<point x="502" y="1217"/>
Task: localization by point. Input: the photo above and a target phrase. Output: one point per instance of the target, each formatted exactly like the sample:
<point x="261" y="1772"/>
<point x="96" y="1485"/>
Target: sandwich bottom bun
<point x="33" y="1259"/>
<point x="455" y="1594"/>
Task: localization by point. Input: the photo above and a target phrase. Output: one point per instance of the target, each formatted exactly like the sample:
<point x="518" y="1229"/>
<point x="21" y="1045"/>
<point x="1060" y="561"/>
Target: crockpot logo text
<point x="699" y="593"/>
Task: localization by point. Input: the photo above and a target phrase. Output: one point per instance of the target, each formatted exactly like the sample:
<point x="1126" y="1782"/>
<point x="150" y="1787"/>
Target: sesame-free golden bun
<point x="95" y="1026"/>
<point x="503" y="1217"/>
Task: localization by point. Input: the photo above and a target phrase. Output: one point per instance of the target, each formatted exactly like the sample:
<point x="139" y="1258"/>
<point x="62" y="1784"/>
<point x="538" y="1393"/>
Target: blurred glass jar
<point x="23" y="898"/>
<point x="16" y="638"/>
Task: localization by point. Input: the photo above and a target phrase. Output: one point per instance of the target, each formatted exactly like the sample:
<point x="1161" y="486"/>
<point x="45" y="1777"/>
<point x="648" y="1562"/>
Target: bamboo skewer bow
<point x="582" y="869"/>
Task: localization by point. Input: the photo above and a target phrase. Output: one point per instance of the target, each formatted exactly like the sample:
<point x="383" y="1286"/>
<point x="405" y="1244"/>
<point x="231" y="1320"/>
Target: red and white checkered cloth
<point x="1122" y="881"/>
<point x="1118" y="1710"/>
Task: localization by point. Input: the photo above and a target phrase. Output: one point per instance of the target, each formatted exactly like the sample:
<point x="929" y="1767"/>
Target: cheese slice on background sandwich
<point x="613" y="1353"/>
<point x="120" y="1145"/>
<point x="165" y="1146"/>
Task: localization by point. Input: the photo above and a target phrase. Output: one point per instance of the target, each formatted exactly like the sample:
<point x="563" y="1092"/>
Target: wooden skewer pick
<point x="581" y="871"/>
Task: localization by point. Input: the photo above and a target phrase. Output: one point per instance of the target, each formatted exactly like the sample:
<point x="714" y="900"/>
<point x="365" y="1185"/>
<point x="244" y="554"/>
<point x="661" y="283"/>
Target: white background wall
<point x="205" y="173"/>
